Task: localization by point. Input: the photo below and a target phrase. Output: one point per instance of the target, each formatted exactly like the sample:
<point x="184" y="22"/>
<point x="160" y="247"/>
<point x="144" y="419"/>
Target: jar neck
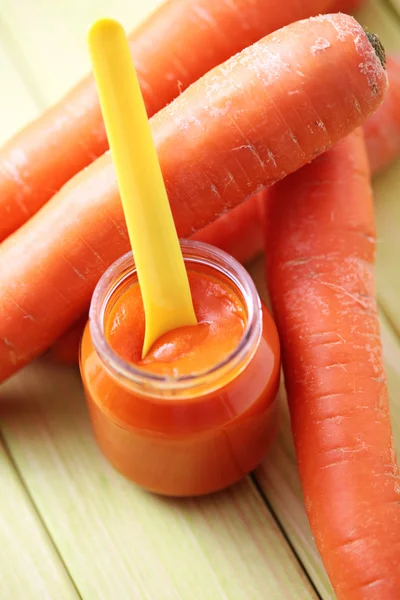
<point x="206" y="259"/>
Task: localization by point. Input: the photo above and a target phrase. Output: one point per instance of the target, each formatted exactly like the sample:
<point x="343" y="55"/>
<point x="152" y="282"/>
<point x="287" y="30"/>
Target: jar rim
<point x="153" y="384"/>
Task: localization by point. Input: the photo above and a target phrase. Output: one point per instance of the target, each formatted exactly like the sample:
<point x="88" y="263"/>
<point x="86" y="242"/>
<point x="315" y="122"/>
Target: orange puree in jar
<point x="199" y="412"/>
<point x="221" y="323"/>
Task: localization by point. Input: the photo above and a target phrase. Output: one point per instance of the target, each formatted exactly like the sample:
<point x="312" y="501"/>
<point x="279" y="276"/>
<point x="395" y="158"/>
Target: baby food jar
<point x="192" y="434"/>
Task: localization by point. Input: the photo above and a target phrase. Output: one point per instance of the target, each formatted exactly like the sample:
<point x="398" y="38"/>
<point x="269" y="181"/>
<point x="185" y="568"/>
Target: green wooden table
<point x="70" y="526"/>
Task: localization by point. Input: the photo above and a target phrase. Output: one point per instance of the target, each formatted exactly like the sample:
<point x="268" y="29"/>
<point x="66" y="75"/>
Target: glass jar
<point x="193" y="434"/>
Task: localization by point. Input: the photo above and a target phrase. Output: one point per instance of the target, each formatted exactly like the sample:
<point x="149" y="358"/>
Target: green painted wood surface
<point x="30" y="566"/>
<point x="69" y="525"/>
<point x="17" y="105"/>
<point x="48" y="39"/>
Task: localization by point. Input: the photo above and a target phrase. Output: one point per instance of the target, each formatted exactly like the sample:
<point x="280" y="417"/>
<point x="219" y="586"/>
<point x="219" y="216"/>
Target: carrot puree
<point x="204" y="436"/>
<point x="221" y="323"/>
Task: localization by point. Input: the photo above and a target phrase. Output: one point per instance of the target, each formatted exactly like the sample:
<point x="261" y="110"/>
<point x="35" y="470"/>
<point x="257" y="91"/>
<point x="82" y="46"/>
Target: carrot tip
<point x="378" y="47"/>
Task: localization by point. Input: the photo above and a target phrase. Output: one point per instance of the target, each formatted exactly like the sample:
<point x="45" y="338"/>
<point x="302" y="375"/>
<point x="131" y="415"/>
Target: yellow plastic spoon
<point x="160" y="267"/>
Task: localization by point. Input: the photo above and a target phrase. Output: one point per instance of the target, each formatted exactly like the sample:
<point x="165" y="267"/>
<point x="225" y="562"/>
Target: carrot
<point x="382" y="130"/>
<point x="237" y="232"/>
<point x="66" y="349"/>
<point x="320" y="238"/>
<point x="246" y="124"/>
<point x="175" y="46"/>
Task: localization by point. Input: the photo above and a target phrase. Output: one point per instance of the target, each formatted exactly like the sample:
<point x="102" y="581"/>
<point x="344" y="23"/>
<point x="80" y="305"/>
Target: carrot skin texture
<point x="40" y="159"/>
<point x="218" y="143"/>
<point x="240" y="232"/>
<point x="237" y="232"/>
<point x="320" y="247"/>
<point x="66" y="349"/>
<point x="382" y="129"/>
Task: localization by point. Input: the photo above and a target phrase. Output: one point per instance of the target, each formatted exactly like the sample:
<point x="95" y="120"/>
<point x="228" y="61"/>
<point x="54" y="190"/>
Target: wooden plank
<point x="120" y="542"/>
<point x="280" y="482"/>
<point x="48" y="39"/>
<point x="395" y="5"/>
<point x="387" y="188"/>
<point x="391" y="348"/>
<point x="30" y="566"/>
<point x="380" y="18"/>
<point x="17" y="106"/>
